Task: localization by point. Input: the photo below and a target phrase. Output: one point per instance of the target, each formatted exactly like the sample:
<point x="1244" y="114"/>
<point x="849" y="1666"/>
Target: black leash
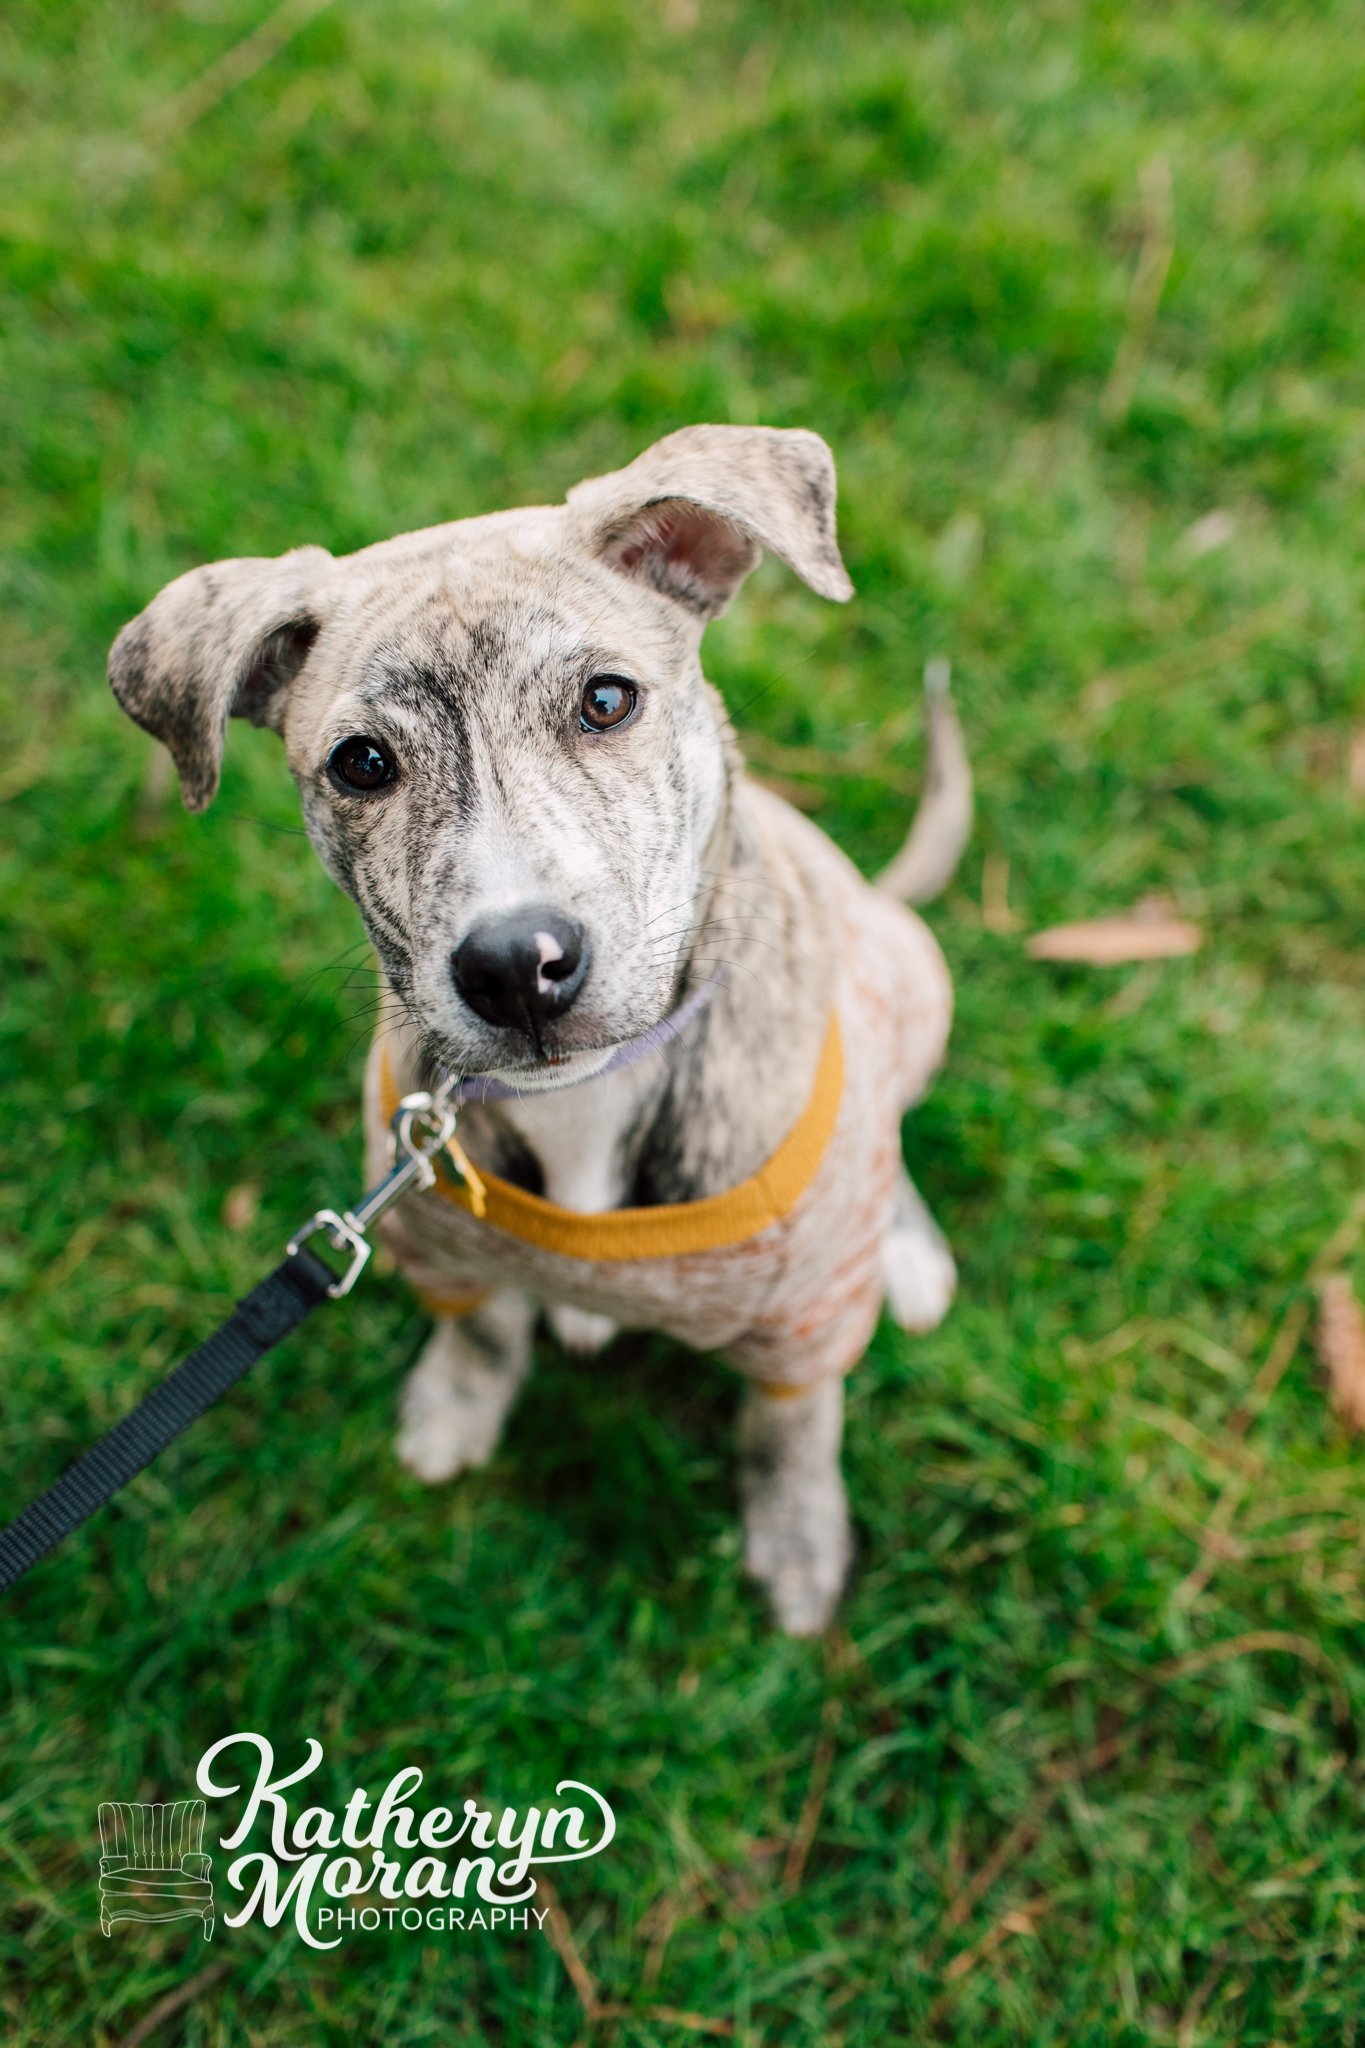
<point x="257" y="1324"/>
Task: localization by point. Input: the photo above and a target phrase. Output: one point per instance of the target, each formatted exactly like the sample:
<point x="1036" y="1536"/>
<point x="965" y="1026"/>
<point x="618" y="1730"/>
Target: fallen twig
<point x="1105" y="690"/>
<point x="809" y="1824"/>
<point x="175" y="2001"/>
<point x="1181" y="1430"/>
<point x="1020" y="1838"/>
<point x="867" y="763"/>
<point x="1343" y="1240"/>
<point x="667" y="2016"/>
<point x="661" y="1922"/>
<point x="1019" y="1920"/>
<point x="1277" y="1362"/>
<point x="1213" y="1545"/>
<point x="562" y="1942"/>
<point x="1017" y="1841"/>
<point x="1144" y="294"/>
<point x="1254" y="1641"/>
<point x="799" y="795"/>
<point x="1203" y="1992"/>
<point x="1024" y="1832"/>
<point x="996" y="914"/>
<point x="1286" y="1342"/>
<point x="232" y="69"/>
<point x="596" y="2010"/>
<point x="845" y="1660"/>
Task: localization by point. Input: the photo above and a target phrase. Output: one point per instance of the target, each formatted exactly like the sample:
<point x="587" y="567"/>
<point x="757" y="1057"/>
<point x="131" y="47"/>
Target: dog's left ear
<point x="693" y="514"/>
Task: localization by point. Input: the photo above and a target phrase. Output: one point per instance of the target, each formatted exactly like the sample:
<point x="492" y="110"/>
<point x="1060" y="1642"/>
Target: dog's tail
<point x="943" y="822"/>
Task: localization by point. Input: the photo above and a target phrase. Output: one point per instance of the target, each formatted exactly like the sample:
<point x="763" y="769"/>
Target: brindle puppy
<point x="508" y="755"/>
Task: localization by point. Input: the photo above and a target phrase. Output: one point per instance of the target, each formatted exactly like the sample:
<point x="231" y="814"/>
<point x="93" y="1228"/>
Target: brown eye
<point x="607" y="701"/>
<point x="361" y="763"/>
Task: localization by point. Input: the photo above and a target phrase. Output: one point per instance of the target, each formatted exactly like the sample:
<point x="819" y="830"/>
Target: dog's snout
<point x="522" y="970"/>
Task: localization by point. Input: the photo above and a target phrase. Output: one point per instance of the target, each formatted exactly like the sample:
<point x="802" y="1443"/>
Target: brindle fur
<point x="466" y="648"/>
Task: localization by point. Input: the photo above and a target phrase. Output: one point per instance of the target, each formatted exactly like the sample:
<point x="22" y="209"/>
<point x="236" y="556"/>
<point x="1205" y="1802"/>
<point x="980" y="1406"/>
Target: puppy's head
<point x="503" y="742"/>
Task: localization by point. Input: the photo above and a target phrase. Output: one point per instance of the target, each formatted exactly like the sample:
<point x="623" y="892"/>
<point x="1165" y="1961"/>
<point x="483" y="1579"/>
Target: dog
<point x="689" y="1026"/>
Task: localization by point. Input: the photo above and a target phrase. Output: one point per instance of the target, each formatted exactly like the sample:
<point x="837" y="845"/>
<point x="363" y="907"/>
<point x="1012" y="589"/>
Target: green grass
<point x="433" y="258"/>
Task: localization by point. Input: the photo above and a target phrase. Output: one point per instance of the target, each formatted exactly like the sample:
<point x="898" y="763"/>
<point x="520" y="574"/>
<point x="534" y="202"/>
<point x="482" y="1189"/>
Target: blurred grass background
<point x="1077" y="294"/>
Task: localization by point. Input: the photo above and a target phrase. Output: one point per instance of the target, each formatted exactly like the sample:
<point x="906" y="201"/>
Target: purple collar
<point x="484" y="1088"/>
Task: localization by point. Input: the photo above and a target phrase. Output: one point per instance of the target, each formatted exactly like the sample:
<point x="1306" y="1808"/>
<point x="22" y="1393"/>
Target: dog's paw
<point x="799" y="1550"/>
<point x="441" y="1435"/>
<point x="579" y="1330"/>
<point x="452" y="1409"/>
<point x="919" y="1275"/>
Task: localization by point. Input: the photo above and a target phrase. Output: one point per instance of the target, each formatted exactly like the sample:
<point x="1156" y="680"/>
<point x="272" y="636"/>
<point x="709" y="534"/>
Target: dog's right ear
<point x="226" y="641"/>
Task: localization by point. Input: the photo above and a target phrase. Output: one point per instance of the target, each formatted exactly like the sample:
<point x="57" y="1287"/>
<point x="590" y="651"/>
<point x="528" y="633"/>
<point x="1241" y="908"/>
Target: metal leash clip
<point x="422" y="1125"/>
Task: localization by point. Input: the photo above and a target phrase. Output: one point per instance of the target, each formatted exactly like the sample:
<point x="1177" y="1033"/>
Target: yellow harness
<point x="672" y="1228"/>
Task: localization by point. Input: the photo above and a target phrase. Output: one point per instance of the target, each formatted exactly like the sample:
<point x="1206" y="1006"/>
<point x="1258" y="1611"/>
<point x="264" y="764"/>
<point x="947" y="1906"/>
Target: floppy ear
<point x="223" y="642"/>
<point x="692" y="515"/>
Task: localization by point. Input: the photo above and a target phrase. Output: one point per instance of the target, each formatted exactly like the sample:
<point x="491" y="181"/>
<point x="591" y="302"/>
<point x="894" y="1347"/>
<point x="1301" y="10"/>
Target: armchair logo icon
<point x="153" y="1865"/>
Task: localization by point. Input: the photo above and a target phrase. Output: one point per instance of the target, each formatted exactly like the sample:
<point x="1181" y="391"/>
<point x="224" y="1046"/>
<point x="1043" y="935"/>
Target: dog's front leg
<point x="797" y="1540"/>
<point x="917" y="1266"/>
<point x="457" y="1396"/>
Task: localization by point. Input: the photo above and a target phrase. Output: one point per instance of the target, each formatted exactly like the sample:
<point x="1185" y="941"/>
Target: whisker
<point x="266" y="824"/>
<point x="742" y="922"/>
<point x="731" y="966"/>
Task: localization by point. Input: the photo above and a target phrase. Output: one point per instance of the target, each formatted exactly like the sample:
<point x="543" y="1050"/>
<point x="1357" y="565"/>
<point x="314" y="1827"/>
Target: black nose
<point x="523" y="970"/>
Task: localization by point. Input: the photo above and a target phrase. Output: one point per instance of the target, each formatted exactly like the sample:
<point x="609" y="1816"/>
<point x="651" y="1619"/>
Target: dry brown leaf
<point x="239" y="1207"/>
<point x="1341" y="1347"/>
<point x="1355" y="763"/>
<point x="1214" y="530"/>
<point x="1141" y="934"/>
<point x="1021" y="1920"/>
